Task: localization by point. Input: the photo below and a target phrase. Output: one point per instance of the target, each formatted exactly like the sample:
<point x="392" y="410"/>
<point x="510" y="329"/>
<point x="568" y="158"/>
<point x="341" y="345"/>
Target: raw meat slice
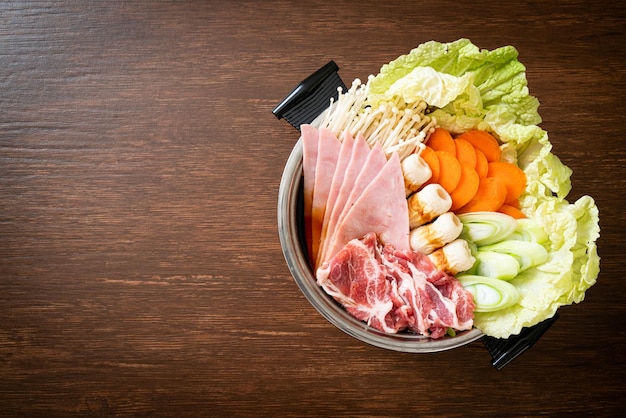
<point x="357" y="280"/>
<point x="439" y="300"/>
<point x="327" y="154"/>
<point x="361" y="159"/>
<point x="381" y="208"/>
<point x="393" y="290"/>
<point x="310" y="139"/>
<point x="411" y="287"/>
<point x="462" y="299"/>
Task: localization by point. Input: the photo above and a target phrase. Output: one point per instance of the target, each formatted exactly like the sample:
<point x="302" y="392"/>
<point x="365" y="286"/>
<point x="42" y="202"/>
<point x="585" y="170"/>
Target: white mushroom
<point x="454" y="257"/>
<point x="427" y="238"/>
<point x="416" y="172"/>
<point x="428" y="203"/>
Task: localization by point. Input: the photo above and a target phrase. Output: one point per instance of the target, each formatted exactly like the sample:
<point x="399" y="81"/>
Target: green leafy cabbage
<point x="487" y="90"/>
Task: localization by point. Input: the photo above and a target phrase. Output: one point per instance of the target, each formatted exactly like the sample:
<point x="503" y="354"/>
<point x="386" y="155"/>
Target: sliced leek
<point x="489" y="294"/>
<point x="496" y="265"/>
<point x="484" y="228"/>
<point x="528" y="254"/>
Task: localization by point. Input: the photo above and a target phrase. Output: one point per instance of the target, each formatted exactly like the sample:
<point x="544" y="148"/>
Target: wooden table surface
<point x="141" y="272"/>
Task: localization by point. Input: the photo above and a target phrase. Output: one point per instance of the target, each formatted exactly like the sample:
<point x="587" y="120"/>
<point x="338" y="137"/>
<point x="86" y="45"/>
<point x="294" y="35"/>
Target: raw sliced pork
<point x="394" y="290"/>
<point x="357" y="279"/>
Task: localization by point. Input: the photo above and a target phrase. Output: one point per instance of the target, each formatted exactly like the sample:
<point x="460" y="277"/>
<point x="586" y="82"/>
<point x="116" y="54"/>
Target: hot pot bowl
<point x="291" y="234"/>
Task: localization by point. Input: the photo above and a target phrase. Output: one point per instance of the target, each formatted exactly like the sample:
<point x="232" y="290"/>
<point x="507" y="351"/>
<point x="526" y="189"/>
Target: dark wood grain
<point x="140" y="268"/>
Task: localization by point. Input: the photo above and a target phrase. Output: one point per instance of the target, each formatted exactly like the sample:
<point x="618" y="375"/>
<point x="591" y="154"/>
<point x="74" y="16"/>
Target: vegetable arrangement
<point x="467" y="133"/>
<point x="504" y="248"/>
<point x="469" y="168"/>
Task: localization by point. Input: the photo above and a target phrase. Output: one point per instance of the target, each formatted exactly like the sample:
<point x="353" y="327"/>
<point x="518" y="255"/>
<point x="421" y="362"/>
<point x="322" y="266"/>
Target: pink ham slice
<point x="327" y="155"/>
<point x="358" y="162"/>
<point x="381" y="208"/>
<point x="310" y="140"/>
<point x="367" y="172"/>
<point x="355" y="190"/>
<point x="339" y="180"/>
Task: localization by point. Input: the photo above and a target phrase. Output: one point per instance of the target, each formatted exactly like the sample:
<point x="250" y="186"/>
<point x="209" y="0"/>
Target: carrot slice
<point x="485" y="142"/>
<point x="449" y="170"/>
<point x="515" y="204"/>
<point x="511" y="211"/>
<point x="466" y="189"/>
<point x="481" y="164"/>
<point x="489" y="196"/>
<point x="428" y="155"/>
<point x="465" y="152"/>
<point x="513" y="176"/>
<point x="441" y="140"/>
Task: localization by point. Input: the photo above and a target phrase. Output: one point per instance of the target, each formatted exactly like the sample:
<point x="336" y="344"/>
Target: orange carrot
<point x="466" y="189"/>
<point x="515" y="204"/>
<point x="441" y="140"/>
<point x="512" y="176"/>
<point x="449" y="170"/>
<point x="485" y="142"/>
<point x="428" y="155"/>
<point x="511" y="211"/>
<point x="465" y="152"/>
<point x="481" y="164"/>
<point x="489" y="196"/>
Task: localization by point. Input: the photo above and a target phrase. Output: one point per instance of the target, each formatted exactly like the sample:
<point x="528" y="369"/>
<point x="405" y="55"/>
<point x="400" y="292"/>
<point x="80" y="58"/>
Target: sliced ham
<point x="365" y="171"/>
<point x="310" y="140"/>
<point x="359" y="159"/>
<point x="355" y="190"/>
<point x="381" y="208"/>
<point x="339" y="181"/>
<point x="327" y="155"/>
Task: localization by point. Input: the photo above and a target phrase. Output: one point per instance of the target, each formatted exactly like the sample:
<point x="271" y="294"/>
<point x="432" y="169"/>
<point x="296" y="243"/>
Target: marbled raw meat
<point x="357" y="279"/>
<point x="394" y="290"/>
